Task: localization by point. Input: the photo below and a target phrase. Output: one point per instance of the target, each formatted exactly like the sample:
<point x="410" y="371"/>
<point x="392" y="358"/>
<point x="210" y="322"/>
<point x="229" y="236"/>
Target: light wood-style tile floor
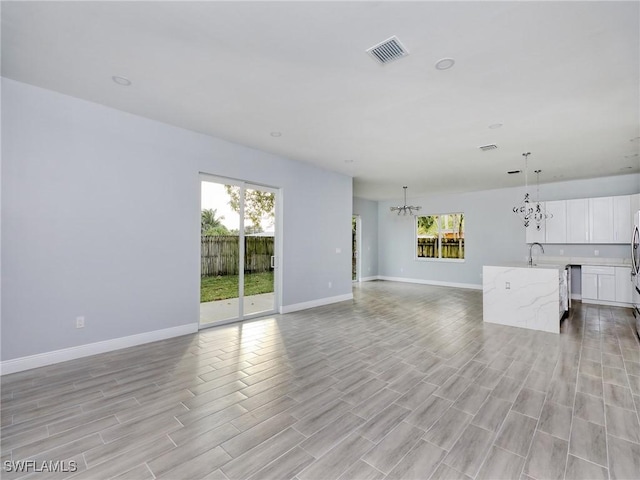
<point x="406" y="382"/>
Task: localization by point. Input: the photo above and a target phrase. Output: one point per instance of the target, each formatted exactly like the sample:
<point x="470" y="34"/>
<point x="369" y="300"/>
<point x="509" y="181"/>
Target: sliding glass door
<point x="259" y="250"/>
<point x="237" y="251"/>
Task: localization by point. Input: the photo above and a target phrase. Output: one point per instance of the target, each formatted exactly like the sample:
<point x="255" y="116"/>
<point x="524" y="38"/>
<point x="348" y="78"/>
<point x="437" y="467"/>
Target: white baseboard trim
<point x="369" y="279"/>
<point x="576" y="296"/>
<point x="315" y="303"/>
<point x="421" y="281"/>
<point x="49" y="358"/>
<point x="605" y="302"/>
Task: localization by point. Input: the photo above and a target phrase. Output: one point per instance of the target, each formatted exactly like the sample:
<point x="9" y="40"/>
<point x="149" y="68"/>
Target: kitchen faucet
<point x="531" y="248"/>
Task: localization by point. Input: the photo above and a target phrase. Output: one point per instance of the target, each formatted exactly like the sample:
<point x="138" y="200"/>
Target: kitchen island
<point x="519" y="295"/>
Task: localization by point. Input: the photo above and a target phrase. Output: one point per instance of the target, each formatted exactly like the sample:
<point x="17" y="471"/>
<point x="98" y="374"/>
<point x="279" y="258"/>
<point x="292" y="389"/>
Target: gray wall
<point x="493" y="234"/>
<point x="368" y="211"/>
<point x="85" y="188"/>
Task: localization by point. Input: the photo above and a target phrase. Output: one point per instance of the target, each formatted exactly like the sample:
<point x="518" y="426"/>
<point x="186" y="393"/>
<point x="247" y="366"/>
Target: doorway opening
<point x="356" y="236"/>
<point x="238" y="251"/>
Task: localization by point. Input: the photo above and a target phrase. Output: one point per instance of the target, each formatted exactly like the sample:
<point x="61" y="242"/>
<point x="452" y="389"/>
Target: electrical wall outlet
<point x="330" y="284"/>
<point x="338" y="250"/>
<point x="561" y="252"/>
<point x="507" y="285"/>
<point x="596" y="252"/>
<point x="79" y="322"/>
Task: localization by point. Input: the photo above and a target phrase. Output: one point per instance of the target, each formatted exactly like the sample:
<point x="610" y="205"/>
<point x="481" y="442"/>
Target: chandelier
<point x="528" y="211"/>
<point x="404" y="209"/>
<point x="525" y="211"/>
<point x="539" y="213"/>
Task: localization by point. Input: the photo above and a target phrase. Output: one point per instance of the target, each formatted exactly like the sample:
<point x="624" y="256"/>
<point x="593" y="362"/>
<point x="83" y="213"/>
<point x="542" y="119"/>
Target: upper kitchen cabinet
<point x="609" y="219"/>
<point x="556" y="223"/>
<point x="621" y="216"/>
<point x="635" y="205"/>
<point x="601" y="220"/>
<point x="578" y="220"/>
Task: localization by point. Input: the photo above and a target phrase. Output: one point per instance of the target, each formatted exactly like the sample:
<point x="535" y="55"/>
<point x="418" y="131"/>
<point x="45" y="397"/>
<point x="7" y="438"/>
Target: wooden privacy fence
<point x="451" y="248"/>
<point x="219" y="255"/>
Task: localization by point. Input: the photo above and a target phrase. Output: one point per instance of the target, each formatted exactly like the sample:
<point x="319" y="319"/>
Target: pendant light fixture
<point x="405" y="209"/>
<point x="525" y="210"/>
<point x="539" y="212"/>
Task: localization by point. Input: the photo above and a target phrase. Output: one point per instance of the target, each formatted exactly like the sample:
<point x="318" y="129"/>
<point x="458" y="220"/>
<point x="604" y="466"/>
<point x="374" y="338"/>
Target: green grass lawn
<point x="223" y="287"/>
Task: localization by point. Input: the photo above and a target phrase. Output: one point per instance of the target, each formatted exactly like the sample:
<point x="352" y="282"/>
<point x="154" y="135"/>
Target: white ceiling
<point x="562" y="77"/>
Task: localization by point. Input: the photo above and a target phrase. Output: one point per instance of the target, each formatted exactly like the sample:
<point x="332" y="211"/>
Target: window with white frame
<point x="440" y="236"/>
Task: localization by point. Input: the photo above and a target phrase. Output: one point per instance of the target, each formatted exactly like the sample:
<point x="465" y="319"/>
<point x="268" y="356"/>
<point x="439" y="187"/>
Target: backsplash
<point x="588" y="251"/>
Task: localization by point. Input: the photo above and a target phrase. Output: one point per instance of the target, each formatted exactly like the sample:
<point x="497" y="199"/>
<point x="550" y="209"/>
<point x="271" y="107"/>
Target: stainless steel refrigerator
<point x="635" y="269"/>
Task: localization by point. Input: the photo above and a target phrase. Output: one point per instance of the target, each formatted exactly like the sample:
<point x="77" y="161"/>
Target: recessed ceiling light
<point x="493" y="126"/>
<point x="125" y="82"/>
<point x="276" y="134"/>
<point x="445" y="63"/>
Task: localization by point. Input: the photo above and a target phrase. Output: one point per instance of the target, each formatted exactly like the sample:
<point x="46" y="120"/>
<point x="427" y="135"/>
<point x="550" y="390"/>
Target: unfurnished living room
<point x="320" y="240"/>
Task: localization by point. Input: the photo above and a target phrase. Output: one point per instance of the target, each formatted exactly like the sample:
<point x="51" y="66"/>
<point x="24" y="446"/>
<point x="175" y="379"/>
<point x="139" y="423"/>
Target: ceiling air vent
<point x="388" y="51"/>
<point x="485" y="148"/>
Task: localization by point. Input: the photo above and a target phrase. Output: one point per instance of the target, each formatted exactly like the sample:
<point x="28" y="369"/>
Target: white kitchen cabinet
<point x="598" y="283"/>
<point x="607" y="288"/>
<point x="601" y="220"/>
<point x="623" y="284"/>
<point x="635" y="205"/>
<point x="556" y="225"/>
<point x="621" y="215"/>
<point x="598" y="220"/>
<point x="578" y="220"/>
<point x="589" y="286"/>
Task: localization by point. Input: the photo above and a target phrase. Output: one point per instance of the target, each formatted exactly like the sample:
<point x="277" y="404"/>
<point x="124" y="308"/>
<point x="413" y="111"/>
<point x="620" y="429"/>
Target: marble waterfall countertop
<point x="523" y="296"/>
